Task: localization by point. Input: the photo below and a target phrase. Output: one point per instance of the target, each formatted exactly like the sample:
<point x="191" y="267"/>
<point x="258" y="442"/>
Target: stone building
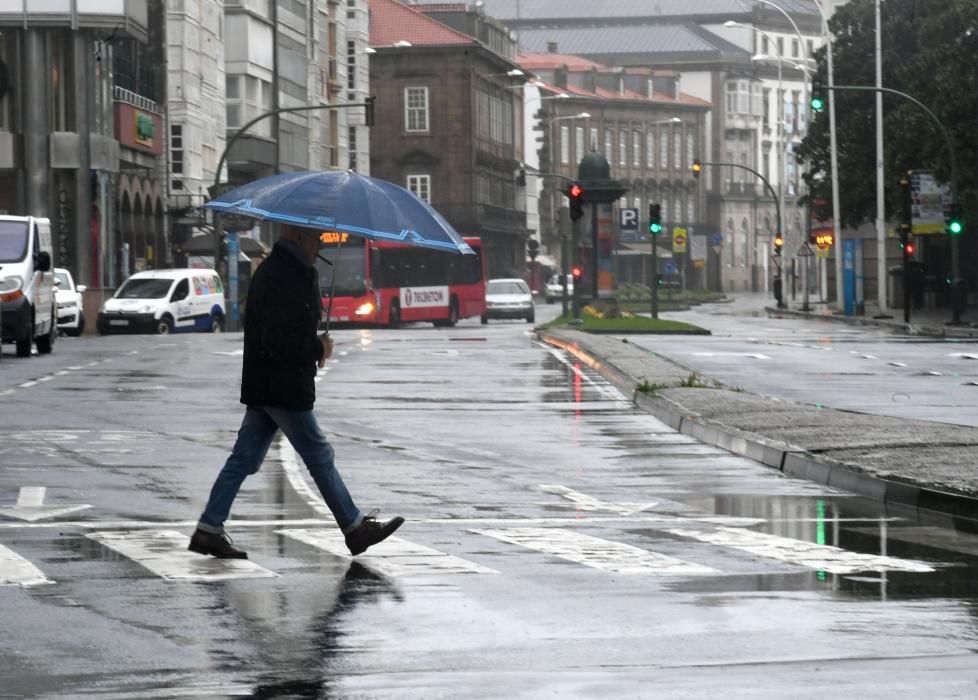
<point x="449" y="115"/>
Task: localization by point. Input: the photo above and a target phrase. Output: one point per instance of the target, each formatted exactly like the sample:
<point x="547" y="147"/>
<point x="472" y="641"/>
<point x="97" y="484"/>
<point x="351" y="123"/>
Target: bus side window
<point x="377" y="268"/>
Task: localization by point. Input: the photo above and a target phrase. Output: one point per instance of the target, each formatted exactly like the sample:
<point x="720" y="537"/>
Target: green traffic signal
<point x="655" y="219"/>
<point x="818" y="95"/>
<point x="954" y="224"/>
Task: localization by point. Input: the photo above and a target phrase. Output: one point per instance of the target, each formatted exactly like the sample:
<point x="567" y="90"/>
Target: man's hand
<point x="327" y="349"/>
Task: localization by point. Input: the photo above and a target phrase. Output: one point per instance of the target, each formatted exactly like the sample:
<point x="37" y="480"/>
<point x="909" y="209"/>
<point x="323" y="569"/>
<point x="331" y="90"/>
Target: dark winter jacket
<point x="281" y="345"/>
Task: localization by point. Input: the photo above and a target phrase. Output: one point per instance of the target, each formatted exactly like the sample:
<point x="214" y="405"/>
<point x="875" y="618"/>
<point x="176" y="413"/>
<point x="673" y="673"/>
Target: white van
<point x="29" y="312"/>
<point x="164" y="301"/>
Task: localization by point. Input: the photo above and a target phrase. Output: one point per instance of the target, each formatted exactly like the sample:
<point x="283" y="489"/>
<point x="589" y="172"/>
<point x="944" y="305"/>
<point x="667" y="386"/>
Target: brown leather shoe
<point x="370" y="532"/>
<point x="218" y="545"/>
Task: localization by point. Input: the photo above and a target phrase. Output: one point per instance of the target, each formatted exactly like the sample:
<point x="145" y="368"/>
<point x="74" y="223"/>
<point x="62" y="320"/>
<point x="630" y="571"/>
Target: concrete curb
<point x="788" y="459"/>
<point x="900" y="326"/>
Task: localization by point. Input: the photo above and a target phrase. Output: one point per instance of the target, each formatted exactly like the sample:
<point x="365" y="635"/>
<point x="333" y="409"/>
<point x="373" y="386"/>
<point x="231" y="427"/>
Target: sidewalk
<point x="930" y="322"/>
<point x="919" y="464"/>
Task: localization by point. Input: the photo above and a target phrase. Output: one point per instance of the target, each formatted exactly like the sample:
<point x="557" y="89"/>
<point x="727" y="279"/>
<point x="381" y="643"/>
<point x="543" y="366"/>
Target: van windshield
<point x="144" y="289"/>
<point x="13" y="241"/>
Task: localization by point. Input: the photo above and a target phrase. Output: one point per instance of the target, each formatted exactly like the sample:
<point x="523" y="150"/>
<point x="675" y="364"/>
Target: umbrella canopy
<point x="340" y="200"/>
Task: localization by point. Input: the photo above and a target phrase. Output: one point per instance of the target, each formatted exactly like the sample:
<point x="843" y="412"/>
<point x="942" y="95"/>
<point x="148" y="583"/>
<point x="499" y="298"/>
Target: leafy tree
<point x="929" y="49"/>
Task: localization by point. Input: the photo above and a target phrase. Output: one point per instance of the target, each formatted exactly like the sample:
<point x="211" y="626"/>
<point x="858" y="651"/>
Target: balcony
<point x="89" y="14"/>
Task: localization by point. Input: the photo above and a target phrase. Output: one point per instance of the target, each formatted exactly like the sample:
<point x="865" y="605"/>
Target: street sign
<point x="716" y="240"/>
<point x="628" y="220"/>
<point x="679" y="240"/>
<point x="928" y="203"/>
<point x="669" y="267"/>
<point x="805" y="251"/>
<point x="697" y="248"/>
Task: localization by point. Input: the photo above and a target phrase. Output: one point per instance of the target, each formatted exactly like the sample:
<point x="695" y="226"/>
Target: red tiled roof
<point x="392" y="21"/>
<point x="549" y="61"/>
<point x="658" y="97"/>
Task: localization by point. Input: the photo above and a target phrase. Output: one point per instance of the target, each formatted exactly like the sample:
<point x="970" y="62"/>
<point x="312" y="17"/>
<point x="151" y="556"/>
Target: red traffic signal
<point x="575" y="191"/>
<point x="577" y="271"/>
<point x="908" y="248"/>
<point x="575" y="195"/>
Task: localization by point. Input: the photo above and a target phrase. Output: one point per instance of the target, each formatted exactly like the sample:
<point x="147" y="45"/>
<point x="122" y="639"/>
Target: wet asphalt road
<point x="867" y="369"/>
<point x="559" y="543"/>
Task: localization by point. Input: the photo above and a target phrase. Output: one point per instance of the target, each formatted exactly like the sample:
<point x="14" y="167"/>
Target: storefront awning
<point x="642" y="249"/>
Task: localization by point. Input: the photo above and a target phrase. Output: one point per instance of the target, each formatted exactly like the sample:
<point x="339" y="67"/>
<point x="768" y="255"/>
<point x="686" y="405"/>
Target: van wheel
<point x="484" y="319"/>
<point x="25" y="340"/>
<point x="164" y="326"/>
<point x="217" y="323"/>
<point x="45" y="343"/>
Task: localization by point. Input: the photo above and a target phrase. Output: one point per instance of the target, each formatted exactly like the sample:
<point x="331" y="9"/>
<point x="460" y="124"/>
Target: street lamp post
<point x="218" y="222"/>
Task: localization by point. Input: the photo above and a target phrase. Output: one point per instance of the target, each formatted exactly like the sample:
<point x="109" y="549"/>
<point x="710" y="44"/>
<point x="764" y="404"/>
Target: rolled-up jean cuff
<point x="356" y="523"/>
<point x="213" y="529"/>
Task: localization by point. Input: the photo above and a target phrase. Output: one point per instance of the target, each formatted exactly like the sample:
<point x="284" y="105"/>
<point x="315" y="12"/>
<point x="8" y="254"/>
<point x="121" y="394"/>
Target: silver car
<point x="508" y="298"/>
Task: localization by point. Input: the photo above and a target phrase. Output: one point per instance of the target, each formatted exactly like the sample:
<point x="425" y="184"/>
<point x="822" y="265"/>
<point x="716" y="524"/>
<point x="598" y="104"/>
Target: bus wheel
<point x="452" y="316"/>
<point x="394" y="320"/>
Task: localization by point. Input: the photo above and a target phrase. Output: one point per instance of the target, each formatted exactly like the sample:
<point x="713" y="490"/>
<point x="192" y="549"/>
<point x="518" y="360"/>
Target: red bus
<point x="386" y="284"/>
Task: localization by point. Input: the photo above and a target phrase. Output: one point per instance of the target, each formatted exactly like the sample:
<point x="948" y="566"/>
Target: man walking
<point x="281" y="351"/>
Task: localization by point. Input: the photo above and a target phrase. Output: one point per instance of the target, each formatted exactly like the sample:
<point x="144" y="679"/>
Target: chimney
<point x="551" y="47"/>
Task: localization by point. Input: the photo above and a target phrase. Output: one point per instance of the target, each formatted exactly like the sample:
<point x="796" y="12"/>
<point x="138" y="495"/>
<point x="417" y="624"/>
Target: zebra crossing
<point x="161" y="551"/>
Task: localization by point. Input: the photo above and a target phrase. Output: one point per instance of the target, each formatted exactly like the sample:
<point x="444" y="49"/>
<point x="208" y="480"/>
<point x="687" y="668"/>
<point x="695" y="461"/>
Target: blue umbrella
<point x="344" y="201"/>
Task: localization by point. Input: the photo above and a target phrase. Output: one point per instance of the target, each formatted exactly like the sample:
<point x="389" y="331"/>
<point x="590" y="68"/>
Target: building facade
<point x="648" y="131"/>
<point x="451" y="110"/>
<point x="67" y="135"/>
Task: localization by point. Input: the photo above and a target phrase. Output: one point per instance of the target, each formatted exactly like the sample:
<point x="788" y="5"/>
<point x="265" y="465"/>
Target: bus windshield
<point x="350" y="271"/>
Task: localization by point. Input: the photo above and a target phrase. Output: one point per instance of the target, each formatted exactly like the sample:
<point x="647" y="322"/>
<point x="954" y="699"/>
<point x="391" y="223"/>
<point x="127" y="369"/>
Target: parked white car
<point x="71" y="319"/>
<point x="508" y="298"/>
<point x="553" y="291"/>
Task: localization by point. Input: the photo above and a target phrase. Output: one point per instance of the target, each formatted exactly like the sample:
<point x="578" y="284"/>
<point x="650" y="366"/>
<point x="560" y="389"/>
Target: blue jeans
<point x="254" y="437"/>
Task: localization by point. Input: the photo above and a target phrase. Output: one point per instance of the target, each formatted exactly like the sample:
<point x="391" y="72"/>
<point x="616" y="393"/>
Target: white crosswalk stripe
<point x="594" y="551"/>
<point x="393" y="556"/>
<point x="17" y="571"/>
<point x="821" y="557"/>
<point x="164" y="552"/>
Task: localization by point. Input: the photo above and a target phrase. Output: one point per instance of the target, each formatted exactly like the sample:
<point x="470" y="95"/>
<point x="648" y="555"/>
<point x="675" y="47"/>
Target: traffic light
<point x="575" y="194"/>
<point x="577" y="271"/>
<point x="954" y="224"/>
<point x="818" y="95"/>
<point x="908" y="248"/>
<point x="778" y="244"/>
<point x="532" y="248"/>
<point x="697" y="167"/>
<point x="655" y="219"/>
<point x="659" y="280"/>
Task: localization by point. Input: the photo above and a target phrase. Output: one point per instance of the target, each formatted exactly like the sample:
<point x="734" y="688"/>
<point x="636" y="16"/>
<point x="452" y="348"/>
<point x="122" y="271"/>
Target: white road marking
<point x="731" y="521"/>
<point x="594" y="551"/>
<point x="231" y="353"/>
<point x="164" y="552"/>
<point x="607" y="389"/>
<point x="290" y="464"/>
<point x="17" y="571"/>
<point x="754" y="355"/>
<point x="897" y="364"/>
<point x="963" y="355"/>
<point x="815" y="556"/>
<point x="393" y="556"/>
<point x="30" y="506"/>
<point x="585" y="502"/>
